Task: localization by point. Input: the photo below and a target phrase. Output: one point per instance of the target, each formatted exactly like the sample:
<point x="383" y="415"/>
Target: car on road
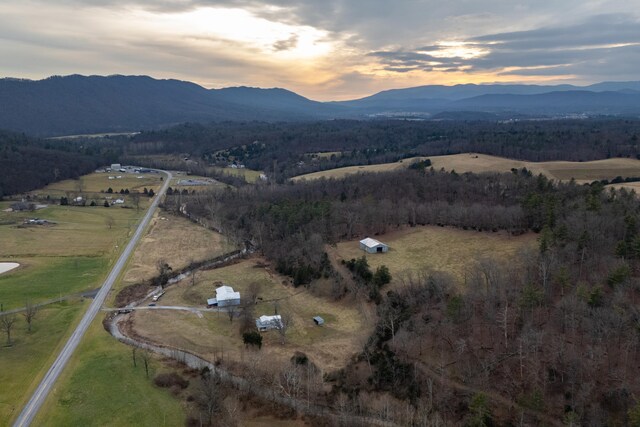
<point x="153" y="304"/>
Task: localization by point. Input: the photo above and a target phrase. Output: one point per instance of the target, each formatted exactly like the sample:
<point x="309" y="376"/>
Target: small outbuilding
<point x="373" y="246"/>
<point x="266" y="323"/>
<point x="318" y="320"/>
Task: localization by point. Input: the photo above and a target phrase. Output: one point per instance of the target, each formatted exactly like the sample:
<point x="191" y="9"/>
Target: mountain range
<point x="90" y="104"/>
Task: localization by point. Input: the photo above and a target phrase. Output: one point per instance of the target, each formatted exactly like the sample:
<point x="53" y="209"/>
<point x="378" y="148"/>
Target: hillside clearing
<point x="477" y="163"/>
<point x="431" y="248"/>
<point x="329" y="346"/>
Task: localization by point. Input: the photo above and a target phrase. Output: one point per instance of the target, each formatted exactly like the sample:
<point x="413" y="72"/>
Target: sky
<point x="325" y="49"/>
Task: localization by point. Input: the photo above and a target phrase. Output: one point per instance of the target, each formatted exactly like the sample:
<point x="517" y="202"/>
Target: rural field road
<point x="40" y="394"/>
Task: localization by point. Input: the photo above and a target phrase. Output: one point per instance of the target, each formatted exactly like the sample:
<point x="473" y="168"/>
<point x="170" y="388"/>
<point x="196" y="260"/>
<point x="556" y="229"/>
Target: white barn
<point x="225" y="296"/>
<point x="373" y="246"/>
<point x="266" y="323"/>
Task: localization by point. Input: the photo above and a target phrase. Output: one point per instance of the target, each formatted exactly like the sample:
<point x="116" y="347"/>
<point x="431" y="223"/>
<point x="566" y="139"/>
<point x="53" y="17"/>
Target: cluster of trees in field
<point x="558" y="329"/>
<point x="283" y="149"/>
<point x="28" y="164"/>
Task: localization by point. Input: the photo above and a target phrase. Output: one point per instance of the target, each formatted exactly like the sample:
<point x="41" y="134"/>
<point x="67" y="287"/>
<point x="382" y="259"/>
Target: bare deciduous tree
<point x="109" y="222"/>
<point x="135" y="198"/>
<point x="145" y="359"/>
<point x="253" y="292"/>
<point x="209" y="396"/>
<point x="231" y="312"/>
<point x="6" y="323"/>
<point x="286" y="321"/>
<point x="29" y="314"/>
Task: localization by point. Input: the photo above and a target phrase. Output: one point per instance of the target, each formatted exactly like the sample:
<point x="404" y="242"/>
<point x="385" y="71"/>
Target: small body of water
<point x="8" y="266"/>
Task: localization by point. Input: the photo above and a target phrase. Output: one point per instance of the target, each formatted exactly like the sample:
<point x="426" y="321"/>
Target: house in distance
<point x="225" y="296"/>
<point x="373" y="246"/>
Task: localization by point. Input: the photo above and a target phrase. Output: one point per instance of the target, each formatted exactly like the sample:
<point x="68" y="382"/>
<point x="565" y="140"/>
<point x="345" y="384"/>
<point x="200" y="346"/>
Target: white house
<point x="373" y="246"/>
<point x="266" y="323"/>
<point x="225" y="296"/>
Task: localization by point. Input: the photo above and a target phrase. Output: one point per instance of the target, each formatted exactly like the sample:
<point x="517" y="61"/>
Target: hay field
<point x="329" y="346"/>
<point x="560" y="170"/>
<point x="350" y="170"/>
<point x="176" y="240"/>
<point x="432" y="248"/>
<point x="78" y="231"/>
<point x="94" y="183"/>
<point x="582" y="172"/>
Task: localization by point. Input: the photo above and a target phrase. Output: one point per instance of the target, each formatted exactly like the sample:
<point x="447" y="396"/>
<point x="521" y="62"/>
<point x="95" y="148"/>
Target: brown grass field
<point x="94" y="183"/>
<point x="471" y="162"/>
<point x="213" y="335"/>
<point x="350" y="170"/>
<point x="176" y="240"/>
<point x="431" y="248"/>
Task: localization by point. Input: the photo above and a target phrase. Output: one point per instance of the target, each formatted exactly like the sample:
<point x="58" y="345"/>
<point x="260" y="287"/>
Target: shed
<point x="373" y="246"/>
<point x="212" y="302"/>
<point x="266" y="323"/>
<point x="318" y="320"/>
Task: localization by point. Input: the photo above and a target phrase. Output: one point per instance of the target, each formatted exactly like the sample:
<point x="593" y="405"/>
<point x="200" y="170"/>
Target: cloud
<point x="585" y="49"/>
<point x="324" y="49"/>
<point x="286" y="44"/>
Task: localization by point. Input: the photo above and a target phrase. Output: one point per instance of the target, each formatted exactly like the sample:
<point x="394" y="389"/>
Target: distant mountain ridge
<point x="92" y="104"/>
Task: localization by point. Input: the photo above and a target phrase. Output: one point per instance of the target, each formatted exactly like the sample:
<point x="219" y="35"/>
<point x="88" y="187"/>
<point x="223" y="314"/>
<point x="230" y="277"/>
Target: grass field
<point x="26" y="362"/>
<point x="100" y="387"/>
<point x="70" y="256"/>
<point x="477" y="163"/>
<point x="176" y="240"/>
<point x="93" y="184"/>
<point x="328" y="346"/>
<point x="249" y="174"/>
<point x="44" y="278"/>
<point x="430" y="248"/>
<point x="350" y="170"/>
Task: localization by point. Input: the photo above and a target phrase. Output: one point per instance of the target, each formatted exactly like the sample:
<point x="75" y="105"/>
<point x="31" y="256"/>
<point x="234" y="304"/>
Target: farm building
<point x="266" y="323"/>
<point x="318" y="320"/>
<point x="225" y="296"/>
<point x="373" y="246"/>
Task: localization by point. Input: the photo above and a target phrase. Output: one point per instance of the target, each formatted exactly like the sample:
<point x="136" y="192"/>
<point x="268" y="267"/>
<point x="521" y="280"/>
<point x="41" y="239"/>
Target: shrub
<point x="252" y="338"/>
<point x="169" y="380"/>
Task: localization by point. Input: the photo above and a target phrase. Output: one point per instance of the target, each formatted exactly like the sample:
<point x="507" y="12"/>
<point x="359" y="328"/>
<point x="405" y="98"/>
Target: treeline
<point x="27" y="164"/>
<point x="283" y="149"/>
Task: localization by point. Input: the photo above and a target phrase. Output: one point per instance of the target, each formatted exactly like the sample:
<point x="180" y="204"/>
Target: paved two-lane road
<point x="37" y="399"/>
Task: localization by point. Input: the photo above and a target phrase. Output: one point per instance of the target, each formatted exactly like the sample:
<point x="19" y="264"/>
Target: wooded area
<point x="558" y="330"/>
<point x="28" y="164"/>
<point x="283" y="150"/>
